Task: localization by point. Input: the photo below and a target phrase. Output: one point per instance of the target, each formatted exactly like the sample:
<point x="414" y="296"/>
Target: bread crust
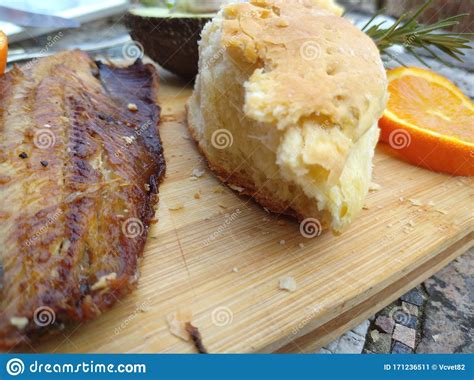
<point x="309" y="65"/>
<point x="232" y="179"/>
<point x="304" y="125"/>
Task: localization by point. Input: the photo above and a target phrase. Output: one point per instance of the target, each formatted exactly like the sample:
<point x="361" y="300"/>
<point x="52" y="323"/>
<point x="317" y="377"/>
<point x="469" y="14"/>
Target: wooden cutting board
<point x="220" y="257"/>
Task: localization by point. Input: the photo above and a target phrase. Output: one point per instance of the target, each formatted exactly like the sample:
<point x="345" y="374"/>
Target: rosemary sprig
<point x="408" y="32"/>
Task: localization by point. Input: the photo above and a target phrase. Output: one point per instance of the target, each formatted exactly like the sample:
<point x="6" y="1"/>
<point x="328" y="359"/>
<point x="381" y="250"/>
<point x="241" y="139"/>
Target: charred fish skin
<point x="80" y="164"/>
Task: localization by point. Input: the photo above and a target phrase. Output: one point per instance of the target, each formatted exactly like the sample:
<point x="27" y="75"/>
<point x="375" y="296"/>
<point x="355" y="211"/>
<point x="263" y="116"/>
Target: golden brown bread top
<point x="311" y="65"/>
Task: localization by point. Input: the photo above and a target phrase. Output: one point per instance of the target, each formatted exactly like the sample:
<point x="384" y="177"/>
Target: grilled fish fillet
<point x="80" y="165"/>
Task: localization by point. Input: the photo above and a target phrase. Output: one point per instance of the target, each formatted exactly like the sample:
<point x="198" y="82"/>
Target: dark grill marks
<point x="63" y="242"/>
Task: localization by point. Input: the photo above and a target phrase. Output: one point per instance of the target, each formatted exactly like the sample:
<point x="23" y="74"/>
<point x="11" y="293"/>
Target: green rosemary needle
<point x="406" y="31"/>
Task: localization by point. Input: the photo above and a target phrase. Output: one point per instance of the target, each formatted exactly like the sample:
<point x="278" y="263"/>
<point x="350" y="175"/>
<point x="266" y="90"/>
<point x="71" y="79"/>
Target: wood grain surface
<point x="220" y="256"/>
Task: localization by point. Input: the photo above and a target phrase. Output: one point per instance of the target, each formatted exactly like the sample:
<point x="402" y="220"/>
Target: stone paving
<point x="449" y="312"/>
<point x="435" y="317"/>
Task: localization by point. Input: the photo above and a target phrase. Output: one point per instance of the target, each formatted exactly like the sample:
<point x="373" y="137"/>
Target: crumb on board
<point x="374" y="186"/>
<point x="282" y="242"/>
<point x="103" y="281"/>
<point x="168" y="117"/>
<point x="19" y="322"/>
<point x="197" y="173"/>
<point x="132" y="107"/>
<point x="177" y="324"/>
<point x="235" y="270"/>
<point x="415" y="202"/>
<point x="287" y="283"/>
<point x="147" y="187"/>
<point x="176" y="207"/>
<point x="301" y="245"/>
<point x="197" y="195"/>
<point x="222" y="205"/>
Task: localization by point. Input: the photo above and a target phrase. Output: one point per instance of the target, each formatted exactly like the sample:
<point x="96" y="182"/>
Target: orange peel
<point x="429" y="121"/>
<point x="3" y="52"/>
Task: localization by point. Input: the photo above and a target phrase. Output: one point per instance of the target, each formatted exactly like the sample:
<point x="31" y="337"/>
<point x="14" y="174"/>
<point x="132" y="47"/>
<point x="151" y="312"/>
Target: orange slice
<point x="3" y="52"/>
<point x="429" y="121"/>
